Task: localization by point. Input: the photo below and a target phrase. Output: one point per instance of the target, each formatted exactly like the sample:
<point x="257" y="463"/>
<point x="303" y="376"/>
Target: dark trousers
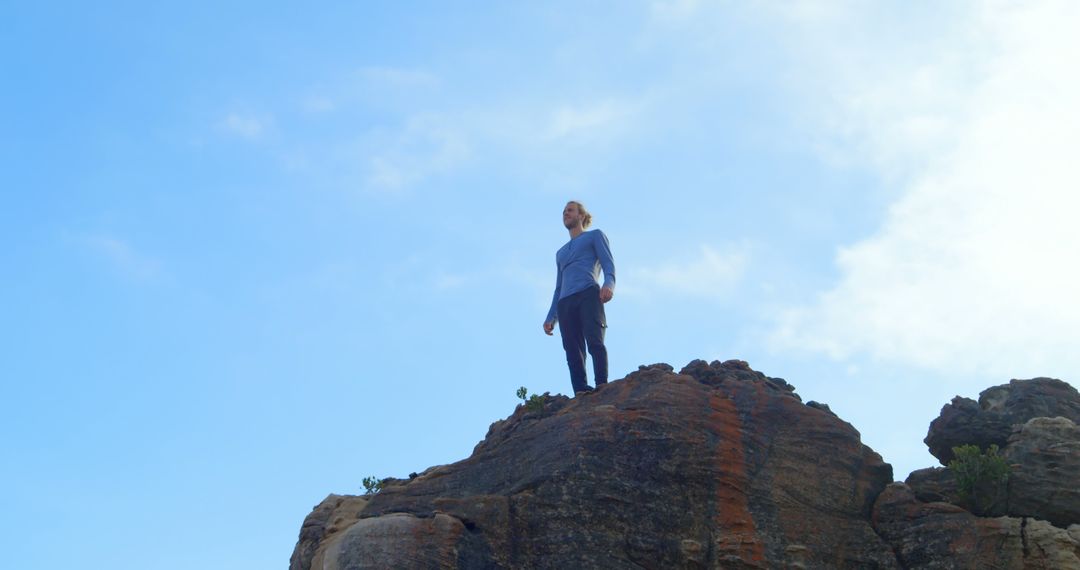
<point x="582" y="323"/>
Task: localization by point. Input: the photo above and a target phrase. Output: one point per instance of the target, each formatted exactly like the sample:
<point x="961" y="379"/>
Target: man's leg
<point x="573" y="340"/>
<point x="594" y="323"/>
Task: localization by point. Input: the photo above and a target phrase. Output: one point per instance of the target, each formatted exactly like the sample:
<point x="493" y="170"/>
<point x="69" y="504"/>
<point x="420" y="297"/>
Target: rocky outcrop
<point x="320" y="532"/>
<point x="941" y="535"/>
<point x="1042" y="451"/>
<point x="1030" y="520"/>
<point x="1043" y="482"/>
<point x="718" y="466"/>
<point x="990" y="420"/>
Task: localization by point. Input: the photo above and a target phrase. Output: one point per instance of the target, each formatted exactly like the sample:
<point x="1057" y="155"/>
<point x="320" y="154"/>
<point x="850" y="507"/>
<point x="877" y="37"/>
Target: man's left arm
<point x="607" y="265"/>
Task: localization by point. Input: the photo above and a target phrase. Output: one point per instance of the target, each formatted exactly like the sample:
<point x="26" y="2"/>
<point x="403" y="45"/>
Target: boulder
<point x="322" y="529"/>
<point x="933" y="485"/>
<point x="991" y="419"/>
<point x="1043" y="451"/>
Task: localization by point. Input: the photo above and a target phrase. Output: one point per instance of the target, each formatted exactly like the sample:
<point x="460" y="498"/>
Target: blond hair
<point x="581" y="210"/>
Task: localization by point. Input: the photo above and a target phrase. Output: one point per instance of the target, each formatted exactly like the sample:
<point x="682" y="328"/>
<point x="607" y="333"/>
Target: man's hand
<point x="606" y="294"/>
<point x="548" y="328"/>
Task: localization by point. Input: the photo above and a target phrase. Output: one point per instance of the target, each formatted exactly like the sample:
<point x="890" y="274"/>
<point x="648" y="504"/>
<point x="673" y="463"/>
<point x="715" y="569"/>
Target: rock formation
<point x="1032" y="522"/>
<point x="943" y="535"/>
<point x="717" y="466"/>
<point x="991" y="419"/>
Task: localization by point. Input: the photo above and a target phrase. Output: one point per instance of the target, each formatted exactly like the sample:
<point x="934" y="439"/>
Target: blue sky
<point x="257" y="252"/>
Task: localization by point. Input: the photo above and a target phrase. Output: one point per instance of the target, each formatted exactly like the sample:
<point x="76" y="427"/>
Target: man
<point x="578" y="303"/>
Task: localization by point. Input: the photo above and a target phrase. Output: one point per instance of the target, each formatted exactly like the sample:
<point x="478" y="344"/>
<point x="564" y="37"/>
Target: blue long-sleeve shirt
<point x="580" y="262"/>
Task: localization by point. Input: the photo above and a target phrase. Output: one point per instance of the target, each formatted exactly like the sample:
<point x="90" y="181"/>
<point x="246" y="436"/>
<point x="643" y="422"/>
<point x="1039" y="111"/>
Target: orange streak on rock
<point x="734" y="525"/>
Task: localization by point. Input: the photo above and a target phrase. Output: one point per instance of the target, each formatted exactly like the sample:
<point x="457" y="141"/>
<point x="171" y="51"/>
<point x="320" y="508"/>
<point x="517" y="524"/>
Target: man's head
<point x="575" y="213"/>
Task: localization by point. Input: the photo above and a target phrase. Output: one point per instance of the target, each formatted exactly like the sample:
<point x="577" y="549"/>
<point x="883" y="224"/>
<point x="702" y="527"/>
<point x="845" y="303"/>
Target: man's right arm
<point x="552" y="316"/>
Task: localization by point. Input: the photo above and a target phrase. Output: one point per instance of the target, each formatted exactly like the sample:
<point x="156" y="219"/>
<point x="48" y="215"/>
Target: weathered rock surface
<point x="1029" y="521"/>
<point x="1045" y="477"/>
<point x="991" y="419"/>
<point x="719" y="466"/>
<point x="321" y="531"/>
<point x="933" y="535"/>
<point x="716" y="467"/>
<point x="1043" y="451"/>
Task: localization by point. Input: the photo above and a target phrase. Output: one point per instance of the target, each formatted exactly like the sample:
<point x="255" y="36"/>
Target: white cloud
<point x="123" y="257"/>
<point x="447" y="281"/>
<point x="602" y="117"/>
<point x="712" y="274"/>
<point x="975" y="266"/>
<point x="426" y="146"/>
<point x="882" y="83"/>
<point x="433" y="144"/>
<point x="316" y="104"/>
<point x="674" y="9"/>
<point x="417" y="128"/>
<point x="360" y="87"/>
<point x="398" y="77"/>
<point x="245" y="126"/>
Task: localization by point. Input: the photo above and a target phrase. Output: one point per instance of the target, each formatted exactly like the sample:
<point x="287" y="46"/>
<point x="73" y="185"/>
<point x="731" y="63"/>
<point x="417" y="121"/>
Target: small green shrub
<point x="534" y="403"/>
<point x="980" y="477"/>
<point x="372" y="485"/>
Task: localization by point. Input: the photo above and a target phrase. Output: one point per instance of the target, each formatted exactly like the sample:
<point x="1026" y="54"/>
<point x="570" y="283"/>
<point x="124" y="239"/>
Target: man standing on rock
<point x="578" y="303"/>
